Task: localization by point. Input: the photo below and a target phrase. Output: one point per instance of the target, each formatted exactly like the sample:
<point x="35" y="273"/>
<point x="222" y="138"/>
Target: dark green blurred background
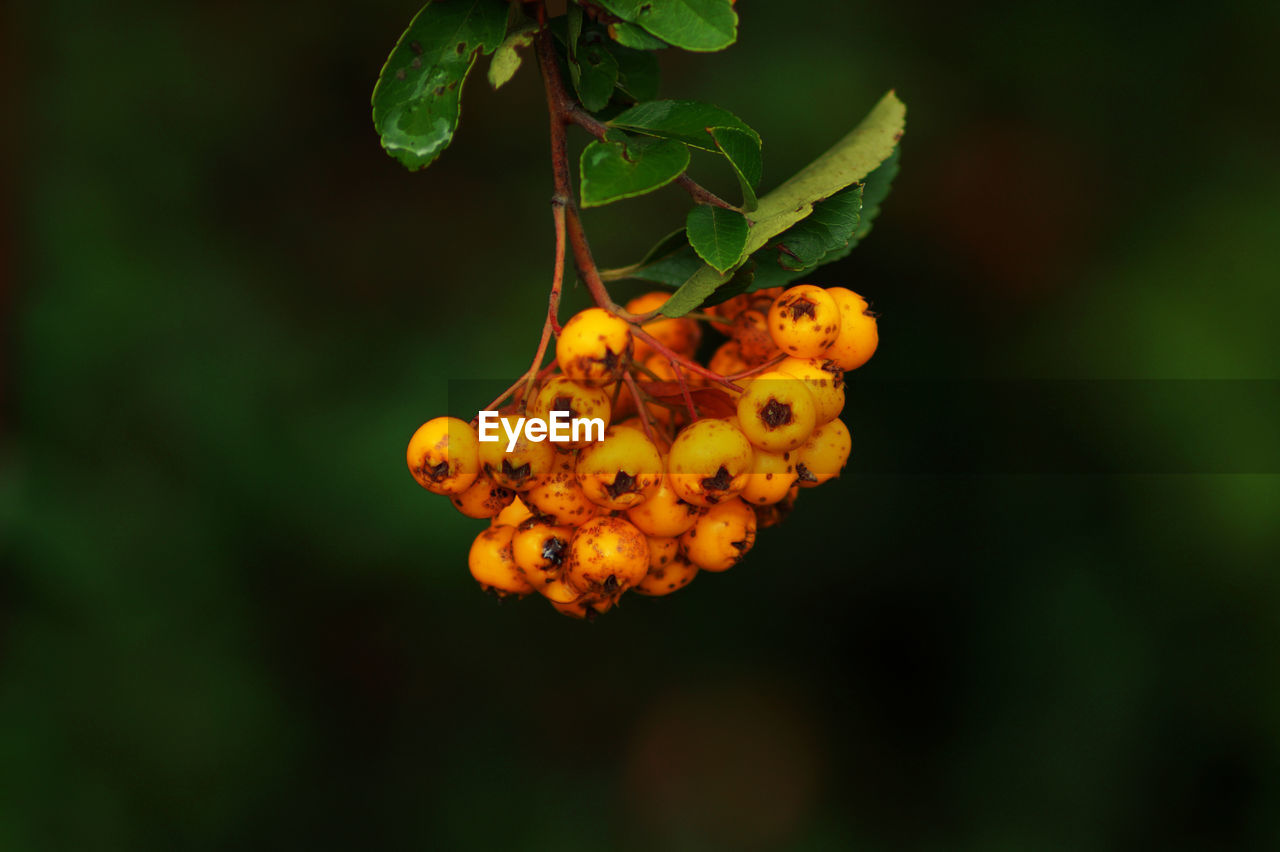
<point x="230" y="619"/>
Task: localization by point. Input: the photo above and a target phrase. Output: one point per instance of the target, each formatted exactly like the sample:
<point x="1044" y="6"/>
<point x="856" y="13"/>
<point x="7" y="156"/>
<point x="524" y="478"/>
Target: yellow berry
<point x="804" y="321"/>
<point x="607" y="555"/>
<point x="593" y="346"/>
<point x="559" y="496"/>
<point x="709" y="462"/>
<point x="492" y="564"/>
<point x="664" y="514"/>
<point x="824" y="455"/>
<point x="721" y="537"/>
<point x="772" y="476"/>
<point x="586" y="607"/>
<point x="825" y="381"/>
<point x="777" y="412"/>
<point x="728" y="360"/>
<point x="681" y="334"/>
<point x="513" y="515"/>
<point x="443" y="455"/>
<point x="528" y="463"/>
<point x="558" y="592"/>
<point x="669" y="570"/>
<point x="484" y="499"/>
<point x="858" y="336"/>
<point x="581" y="401"/>
<point x="539" y="549"/>
<point x="620" y="471"/>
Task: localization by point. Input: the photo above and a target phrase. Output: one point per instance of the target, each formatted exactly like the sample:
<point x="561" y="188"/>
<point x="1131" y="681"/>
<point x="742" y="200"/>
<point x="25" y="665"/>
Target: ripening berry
<point x="804" y="321"/>
<point x="729" y="309"/>
<point x="493" y="565"/>
<point x="539" y="549"/>
<point x="580" y="400"/>
<point x="858" y="334"/>
<point x="607" y="555"/>
<point x="679" y="333"/>
<point x="751" y="330"/>
<point x="669" y="571"/>
<point x="721" y="537"/>
<point x="512" y="516"/>
<point x="664" y="514"/>
<point x="484" y="499"/>
<point x="593" y="346"/>
<point x="444" y="455"/>
<point x="772" y="476"/>
<point x="824" y="455"/>
<point x="777" y="412"/>
<point x="528" y="463"/>
<point x="709" y="462"/>
<point x="559" y="496"/>
<point x="825" y="381"/>
<point x="620" y="471"/>
<point x="728" y="360"/>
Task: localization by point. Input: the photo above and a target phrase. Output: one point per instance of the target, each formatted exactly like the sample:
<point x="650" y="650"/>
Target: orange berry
<point x="721" y="537"/>
<point x="679" y="333"/>
<point x="539" y="549"/>
<point x="581" y="401"/>
<point x="607" y="555"/>
<point x="528" y="463"/>
<point x="709" y="462"/>
<point x="484" y="499"/>
<point x="492" y="564"/>
<point x="669" y="571"/>
<point x="858" y="336"/>
<point x="824" y="455"/>
<point x="620" y="471"/>
<point x="751" y="330"/>
<point x="512" y="516"/>
<point x="559" y="496"/>
<point x="587" y="608"/>
<point x="777" y="412"/>
<point x="593" y="346"/>
<point x="772" y="476"/>
<point x="825" y="381"/>
<point x="664" y="514"/>
<point x="728" y="360"/>
<point x="804" y="321"/>
<point x="444" y="455"/>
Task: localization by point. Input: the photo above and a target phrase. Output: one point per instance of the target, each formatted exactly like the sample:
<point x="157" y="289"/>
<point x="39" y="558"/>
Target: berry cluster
<point x="694" y="459"/>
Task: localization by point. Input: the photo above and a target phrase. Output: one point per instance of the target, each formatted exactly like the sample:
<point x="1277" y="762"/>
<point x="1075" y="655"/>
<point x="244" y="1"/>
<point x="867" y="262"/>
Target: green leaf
<point x="416" y="98"/>
<point x="850" y="160"/>
<point x="692" y="24"/>
<point x="638" y="72"/>
<point x="615" y="170"/>
<point x="688" y="121"/>
<point x="506" y="59"/>
<point x="875" y="192"/>
<point x="823" y="237"/>
<point x="717" y="235"/>
<point x="670" y="262"/>
<point x="742" y="150"/>
<point x="633" y="36"/>
<point x="595" y="73"/>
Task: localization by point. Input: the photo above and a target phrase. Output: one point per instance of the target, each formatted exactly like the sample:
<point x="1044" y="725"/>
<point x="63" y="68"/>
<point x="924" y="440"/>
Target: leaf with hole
<point x="699" y="25"/>
<point x="416" y="99"/>
<point x="717" y="235"/>
<point x="612" y="171"/>
<point x="595" y="73"/>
